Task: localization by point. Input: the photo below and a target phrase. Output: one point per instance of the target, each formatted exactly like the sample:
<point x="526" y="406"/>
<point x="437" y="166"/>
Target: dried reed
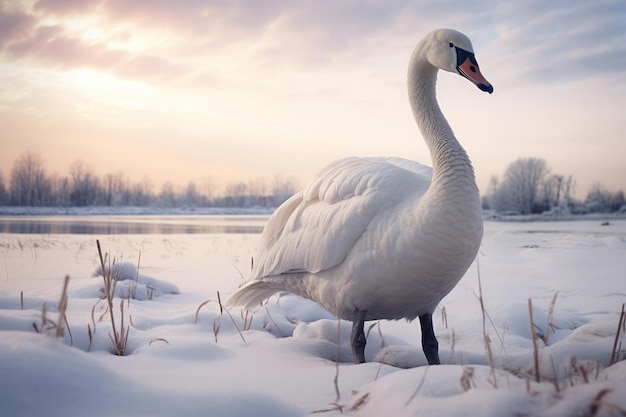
<point x="486" y="337"/>
<point x="59" y="326"/>
<point x="119" y="338"/>
<point x="620" y="329"/>
<point x="534" y="340"/>
<point x="218" y="319"/>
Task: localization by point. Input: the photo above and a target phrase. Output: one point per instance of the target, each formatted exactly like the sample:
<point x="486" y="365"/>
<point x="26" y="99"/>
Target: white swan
<point x="375" y="238"/>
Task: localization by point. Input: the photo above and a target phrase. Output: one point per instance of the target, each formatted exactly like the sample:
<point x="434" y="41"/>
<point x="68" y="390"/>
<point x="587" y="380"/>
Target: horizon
<point x="207" y="187"/>
<point x="233" y="92"/>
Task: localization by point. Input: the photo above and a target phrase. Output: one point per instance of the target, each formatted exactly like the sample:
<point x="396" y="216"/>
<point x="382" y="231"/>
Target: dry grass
<point x="50" y="326"/>
<point x="444" y="316"/>
<point x="550" y="327"/>
<point x="617" y="344"/>
<point x="533" y="337"/>
<point x="119" y="338"/>
<point x="599" y="403"/>
<point x="467" y="379"/>
<point x="217" y="321"/>
<point x="336" y="406"/>
<point x="419" y="387"/>
<point x="583" y="372"/>
<point x="336" y="378"/>
<point x="269" y="316"/>
<point x="486" y="337"/>
<point x="158" y="339"/>
<point x="62" y="309"/>
<point x="247" y="319"/>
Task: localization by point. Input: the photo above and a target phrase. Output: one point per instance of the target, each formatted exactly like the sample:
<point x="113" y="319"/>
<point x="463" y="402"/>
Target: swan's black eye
<point x="472" y="68"/>
<point x="451" y="45"/>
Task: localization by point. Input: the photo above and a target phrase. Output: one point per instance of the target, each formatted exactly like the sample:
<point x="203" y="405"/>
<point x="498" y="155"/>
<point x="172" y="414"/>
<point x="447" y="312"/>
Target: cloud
<point x="14" y="25"/>
<point x="66" y="7"/>
<point x="307" y="32"/>
<point x="561" y="41"/>
<point x="23" y="37"/>
<point x="215" y="44"/>
<point x="149" y="66"/>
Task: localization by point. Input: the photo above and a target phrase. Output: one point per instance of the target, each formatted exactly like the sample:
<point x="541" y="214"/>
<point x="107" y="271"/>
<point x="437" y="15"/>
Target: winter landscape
<point x="185" y="355"/>
<point x="146" y="143"/>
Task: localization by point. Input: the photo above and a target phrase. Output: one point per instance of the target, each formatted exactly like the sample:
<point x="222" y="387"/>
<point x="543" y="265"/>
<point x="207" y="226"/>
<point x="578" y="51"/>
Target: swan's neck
<point x="451" y="164"/>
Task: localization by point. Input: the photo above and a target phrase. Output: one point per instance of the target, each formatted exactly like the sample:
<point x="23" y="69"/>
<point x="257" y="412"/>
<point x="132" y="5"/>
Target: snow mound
<point x="455" y="390"/>
<point x="130" y="283"/>
<point x="51" y="378"/>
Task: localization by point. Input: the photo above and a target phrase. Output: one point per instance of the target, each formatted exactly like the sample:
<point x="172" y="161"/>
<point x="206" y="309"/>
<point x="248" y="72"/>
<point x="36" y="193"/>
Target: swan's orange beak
<point x="468" y="68"/>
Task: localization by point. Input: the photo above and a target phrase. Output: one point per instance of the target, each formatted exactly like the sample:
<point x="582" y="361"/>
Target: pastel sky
<point x="233" y="90"/>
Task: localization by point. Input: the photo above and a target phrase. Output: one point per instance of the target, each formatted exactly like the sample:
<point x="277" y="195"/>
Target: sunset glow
<point x="179" y="91"/>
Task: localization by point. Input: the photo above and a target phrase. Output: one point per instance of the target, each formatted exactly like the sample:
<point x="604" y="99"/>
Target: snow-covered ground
<point x="186" y="357"/>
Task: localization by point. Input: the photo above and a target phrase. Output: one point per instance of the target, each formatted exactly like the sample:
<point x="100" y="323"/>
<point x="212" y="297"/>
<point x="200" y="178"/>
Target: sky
<point x="234" y="90"/>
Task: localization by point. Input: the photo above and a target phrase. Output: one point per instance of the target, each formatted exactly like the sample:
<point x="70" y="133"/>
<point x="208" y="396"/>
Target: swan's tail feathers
<point x="252" y="294"/>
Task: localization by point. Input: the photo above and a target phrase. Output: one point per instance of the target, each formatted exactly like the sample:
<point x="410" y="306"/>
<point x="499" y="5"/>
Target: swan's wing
<point x="316" y="229"/>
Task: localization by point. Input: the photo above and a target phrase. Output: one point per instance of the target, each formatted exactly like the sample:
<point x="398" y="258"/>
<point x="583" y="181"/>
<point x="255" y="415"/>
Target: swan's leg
<point x="357" y="340"/>
<point x="429" y="341"/>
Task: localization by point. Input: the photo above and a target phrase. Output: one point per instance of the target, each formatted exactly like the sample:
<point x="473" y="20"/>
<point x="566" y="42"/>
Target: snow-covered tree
<point x="29" y="185"/>
<point x="519" y="191"/>
<point x="4" y="194"/>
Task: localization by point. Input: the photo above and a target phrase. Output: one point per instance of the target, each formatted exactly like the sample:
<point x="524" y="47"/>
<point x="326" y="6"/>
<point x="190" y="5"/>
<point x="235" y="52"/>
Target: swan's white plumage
<point x="315" y="229"/>
<point x="383" y="235"/>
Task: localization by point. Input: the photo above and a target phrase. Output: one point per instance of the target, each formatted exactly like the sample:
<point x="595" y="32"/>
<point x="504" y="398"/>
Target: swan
<point x="382" y="238"/>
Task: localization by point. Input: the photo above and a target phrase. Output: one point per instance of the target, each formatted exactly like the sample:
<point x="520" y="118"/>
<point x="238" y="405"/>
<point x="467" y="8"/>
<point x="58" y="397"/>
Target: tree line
<point x="30" y="185"/>
<point x="528" y="187"/>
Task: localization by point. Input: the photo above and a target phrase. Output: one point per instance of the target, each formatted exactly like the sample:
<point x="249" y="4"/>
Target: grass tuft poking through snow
<point x="621" y="330"/>
<point x="217" y="321"/>
<point x="533" y="338"/>
<point x="47" y="324"/>
<point x="119" y="337"/>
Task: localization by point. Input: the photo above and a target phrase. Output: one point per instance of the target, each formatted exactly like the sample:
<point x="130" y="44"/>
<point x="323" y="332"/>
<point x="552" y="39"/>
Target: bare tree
<point x="29" y="184"/>
<point x="569" y="186"/>
<point x="489" y="200"/>
<point x="84" y="184"/>
<point x="618" y="201"/>
<point x="113" y="189"/>
<point x="551" y="191"/>
<point x="191" y="196"/>
<point x="599" y="199"/>
<point x="519" y="191"/>
<point x="167" y="197"/>
<point x="282" y="189"/>
<point x="235" y="194"/>
<point x="4" y="194"/>
<point x="141" y="192"/>
<point x="207" y="189"/>
<point x="257" y="192"/>
<point x="61" y="191"/>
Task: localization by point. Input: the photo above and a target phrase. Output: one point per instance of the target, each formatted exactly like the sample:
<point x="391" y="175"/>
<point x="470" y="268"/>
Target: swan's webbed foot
<point x="357" y="339"/>
<point x="429" y="340"/>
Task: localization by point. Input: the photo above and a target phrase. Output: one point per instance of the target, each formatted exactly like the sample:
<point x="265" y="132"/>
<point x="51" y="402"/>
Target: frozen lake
<point x="132" y="224"/>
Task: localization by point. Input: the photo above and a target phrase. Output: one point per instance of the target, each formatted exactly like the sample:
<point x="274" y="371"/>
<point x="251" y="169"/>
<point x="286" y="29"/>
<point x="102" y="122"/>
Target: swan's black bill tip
<point x="486" y="87"/>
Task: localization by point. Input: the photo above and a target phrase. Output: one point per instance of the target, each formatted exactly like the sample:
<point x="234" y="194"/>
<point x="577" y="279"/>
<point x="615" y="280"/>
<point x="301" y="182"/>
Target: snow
<point x="186" y="357"/>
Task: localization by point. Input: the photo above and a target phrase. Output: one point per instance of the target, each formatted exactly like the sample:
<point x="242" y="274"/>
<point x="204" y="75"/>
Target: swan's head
<point x="452" y="51"/>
